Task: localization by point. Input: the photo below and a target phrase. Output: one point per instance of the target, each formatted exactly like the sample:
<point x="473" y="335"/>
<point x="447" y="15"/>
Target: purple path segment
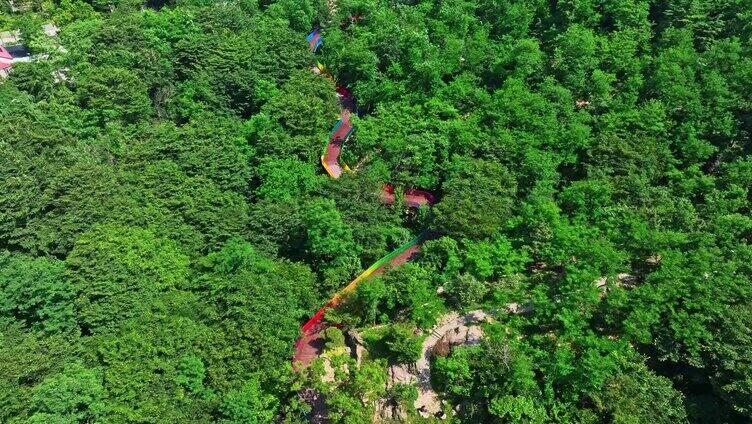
<point x="314" y="40"/>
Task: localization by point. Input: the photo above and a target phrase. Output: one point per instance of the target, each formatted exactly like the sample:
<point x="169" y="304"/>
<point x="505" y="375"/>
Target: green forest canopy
<point x="165" y="226"/>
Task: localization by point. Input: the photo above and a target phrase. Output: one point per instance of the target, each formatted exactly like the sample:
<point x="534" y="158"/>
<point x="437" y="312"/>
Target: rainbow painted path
<point x="310" y="344"/>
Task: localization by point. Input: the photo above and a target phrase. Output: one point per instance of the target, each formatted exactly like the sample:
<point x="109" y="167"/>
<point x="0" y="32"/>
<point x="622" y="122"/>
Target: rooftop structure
<point x="5" y="61"/>
<point x="5" y="54"/>
<point x="18" y="53"/>
<point x="12" y="51"/>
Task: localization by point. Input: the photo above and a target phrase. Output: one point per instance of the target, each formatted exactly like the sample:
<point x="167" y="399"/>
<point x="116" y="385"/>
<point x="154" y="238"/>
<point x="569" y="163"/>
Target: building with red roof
<point x="12" y="51"/>
<point x="5" y="54"/>
<point x="5" y="61"/>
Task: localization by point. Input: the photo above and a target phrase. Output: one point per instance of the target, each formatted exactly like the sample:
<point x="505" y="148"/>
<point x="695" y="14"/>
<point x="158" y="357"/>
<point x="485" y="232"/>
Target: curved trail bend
<point x="428" y="401"/>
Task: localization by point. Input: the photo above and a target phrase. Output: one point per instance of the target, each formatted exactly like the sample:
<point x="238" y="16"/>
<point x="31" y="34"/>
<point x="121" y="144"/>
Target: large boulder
<point x="354" y="341"/>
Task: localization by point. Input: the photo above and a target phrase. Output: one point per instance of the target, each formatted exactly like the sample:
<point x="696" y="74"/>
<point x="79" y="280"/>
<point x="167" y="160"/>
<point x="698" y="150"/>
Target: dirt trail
<point x="428" y="401"/>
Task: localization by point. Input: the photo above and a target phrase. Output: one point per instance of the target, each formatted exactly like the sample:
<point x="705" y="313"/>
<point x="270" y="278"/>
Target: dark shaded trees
<point x="478" y="201"/>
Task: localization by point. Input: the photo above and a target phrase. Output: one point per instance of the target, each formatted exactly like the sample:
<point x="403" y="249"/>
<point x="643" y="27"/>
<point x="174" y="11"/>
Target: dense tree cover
<point x="165" y="226"/>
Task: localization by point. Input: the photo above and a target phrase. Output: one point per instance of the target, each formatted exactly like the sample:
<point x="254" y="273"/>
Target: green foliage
<point x="26" y="359"/>
<point x="286" y="179"/>
<point x="328" y="236"/>
<point x="398" y="343"/>
<point x="191" y="210"/>
<point x="73" y="396"/>
<point x="191" y="374"/>
<point x="403" y="345"/>
<point x="62" y="208"/>
<point x="36" y="292"/>
<point x="732" y="369"/>
<point x="165" y="225"/>
<point x="478" y="200"/>
<point x="37" y="81"/>
<point x="259" y="302"/>
<point x="173" y="340"/>
<point x="334" y="338"/>
<point x="465" y="290"/>
<point x="351" y="399"/>
<point x="633" y="397"/>
<point x="297" y="121"/>
<point x="329" y="242"/>
<point x="679" y="330"/>
<point x="518" y="409"/>
<point x="115" y="94"/>
<point x="249" y="405"/>
<point x="405" y="293"/>
<point x="108" y="255"/>
<point x="209" y="146"/>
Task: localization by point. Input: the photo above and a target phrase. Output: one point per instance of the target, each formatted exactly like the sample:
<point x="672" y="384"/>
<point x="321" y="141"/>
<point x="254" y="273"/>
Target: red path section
<point x="311" y="344"/>
<point x="413" y="197"/>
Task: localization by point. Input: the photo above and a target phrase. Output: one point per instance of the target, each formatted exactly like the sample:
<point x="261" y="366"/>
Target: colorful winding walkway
<point x="310" y="344"/>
